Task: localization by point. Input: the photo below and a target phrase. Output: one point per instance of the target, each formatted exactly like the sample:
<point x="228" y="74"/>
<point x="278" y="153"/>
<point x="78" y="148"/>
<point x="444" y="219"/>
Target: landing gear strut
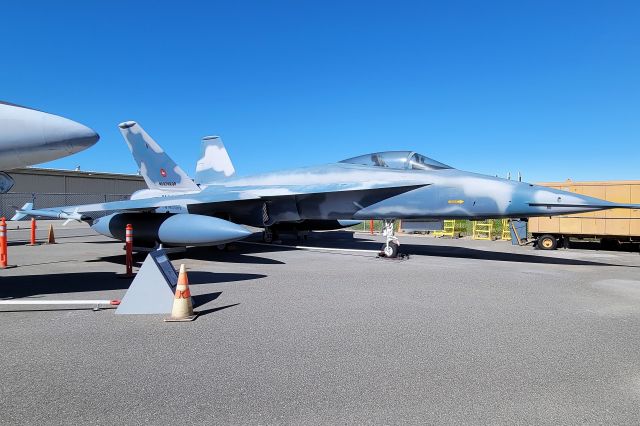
<point x="268" y="235"/>
<point x="391" y="246"/>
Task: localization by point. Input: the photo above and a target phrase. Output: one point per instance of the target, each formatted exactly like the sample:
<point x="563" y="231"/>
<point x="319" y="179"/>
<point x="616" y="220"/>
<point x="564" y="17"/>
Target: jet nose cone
<point x="62" y="133"/>
<point x="82" y="139"/>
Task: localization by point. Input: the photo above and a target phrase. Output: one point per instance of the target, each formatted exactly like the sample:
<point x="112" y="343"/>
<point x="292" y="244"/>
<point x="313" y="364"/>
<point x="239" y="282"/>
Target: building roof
<point x="75" y="173"/>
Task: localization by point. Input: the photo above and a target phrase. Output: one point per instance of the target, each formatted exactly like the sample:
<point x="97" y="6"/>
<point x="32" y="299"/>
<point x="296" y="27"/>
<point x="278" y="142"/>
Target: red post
<point x="371" y="226"/>
<point x="129" y="247"/>
<point x="33" y="232"/>
<point x="3" y="244"/>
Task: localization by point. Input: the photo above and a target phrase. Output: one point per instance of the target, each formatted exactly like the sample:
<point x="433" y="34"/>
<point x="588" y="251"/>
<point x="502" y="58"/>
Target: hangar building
<point x="52" y="187"/>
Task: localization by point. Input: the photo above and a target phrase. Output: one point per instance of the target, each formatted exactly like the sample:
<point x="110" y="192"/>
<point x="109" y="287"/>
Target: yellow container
<point x="622" y="223"/>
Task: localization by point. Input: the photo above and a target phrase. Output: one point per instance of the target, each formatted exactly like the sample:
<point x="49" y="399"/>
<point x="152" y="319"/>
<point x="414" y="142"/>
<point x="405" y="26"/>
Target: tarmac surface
<point x="464" y="332"/>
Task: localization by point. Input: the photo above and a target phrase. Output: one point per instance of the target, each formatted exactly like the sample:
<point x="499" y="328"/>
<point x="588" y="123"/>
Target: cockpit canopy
<point x="404" y="160"/>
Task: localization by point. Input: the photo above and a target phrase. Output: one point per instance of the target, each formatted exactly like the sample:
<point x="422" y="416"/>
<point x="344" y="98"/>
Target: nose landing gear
<point x="391" y="246"/>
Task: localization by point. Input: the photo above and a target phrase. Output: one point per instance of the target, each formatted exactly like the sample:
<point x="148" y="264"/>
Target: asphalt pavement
<point x="463" y="332"/>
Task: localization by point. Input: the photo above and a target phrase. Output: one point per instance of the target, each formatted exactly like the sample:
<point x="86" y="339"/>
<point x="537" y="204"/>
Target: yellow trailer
<point x="609" y="226"/>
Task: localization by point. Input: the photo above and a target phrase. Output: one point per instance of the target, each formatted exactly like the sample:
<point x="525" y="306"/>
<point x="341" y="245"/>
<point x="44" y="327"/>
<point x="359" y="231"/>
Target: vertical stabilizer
<point x="214" y="163"/>
<point x="156" y="167"/>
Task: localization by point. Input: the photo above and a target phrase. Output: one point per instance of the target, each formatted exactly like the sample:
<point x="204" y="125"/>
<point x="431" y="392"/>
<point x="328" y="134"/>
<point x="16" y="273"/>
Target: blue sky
<point x="548" y="88"/>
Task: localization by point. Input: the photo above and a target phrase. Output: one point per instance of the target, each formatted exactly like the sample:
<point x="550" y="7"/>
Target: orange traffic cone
<point x="51" y="238"/>
<point x="182" y="305"/>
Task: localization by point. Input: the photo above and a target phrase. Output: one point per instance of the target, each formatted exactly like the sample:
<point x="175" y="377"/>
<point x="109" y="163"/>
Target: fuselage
<point x="316" y="197"/>
<point x="385" y="185"/>
<point x="342" y="191"/>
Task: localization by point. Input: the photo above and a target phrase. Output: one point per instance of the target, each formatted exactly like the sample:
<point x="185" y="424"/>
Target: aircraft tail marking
<point x="156" y="167"/>
<point x="214" y="163"/>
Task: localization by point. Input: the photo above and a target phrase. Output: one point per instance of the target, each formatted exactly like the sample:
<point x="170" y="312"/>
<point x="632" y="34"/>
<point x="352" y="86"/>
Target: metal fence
<point x="12" y="200"/>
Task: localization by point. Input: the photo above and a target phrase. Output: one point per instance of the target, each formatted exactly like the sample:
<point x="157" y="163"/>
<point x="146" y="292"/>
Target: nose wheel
<point x="391" y="246"/>
<point x="390" y="250"/>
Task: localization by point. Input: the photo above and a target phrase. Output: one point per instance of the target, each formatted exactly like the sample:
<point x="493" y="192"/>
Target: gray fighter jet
<point x="29" y="136"/>
<point x="385" y="185"/>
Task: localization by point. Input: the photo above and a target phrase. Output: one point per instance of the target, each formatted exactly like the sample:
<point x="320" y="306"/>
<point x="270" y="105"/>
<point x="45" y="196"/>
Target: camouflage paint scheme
<point x="385" y="185"/>
<point x="158" y="170"/>
<point x="214" y="163"/>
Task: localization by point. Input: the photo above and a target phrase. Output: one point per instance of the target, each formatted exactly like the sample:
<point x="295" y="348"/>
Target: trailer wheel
<point x="610" y="243"/>
<point x="547" y="242"/>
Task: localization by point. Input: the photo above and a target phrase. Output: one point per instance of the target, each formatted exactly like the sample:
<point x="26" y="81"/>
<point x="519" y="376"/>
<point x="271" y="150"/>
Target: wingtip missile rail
<point x="28" y="211"/>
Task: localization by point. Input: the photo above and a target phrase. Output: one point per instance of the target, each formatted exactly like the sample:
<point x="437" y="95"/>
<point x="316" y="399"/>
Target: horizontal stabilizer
<point x="156" y="167"/>
<point x="19" y="212"/>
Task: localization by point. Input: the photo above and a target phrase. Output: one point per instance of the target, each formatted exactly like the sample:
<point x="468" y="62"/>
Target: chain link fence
<point x="12" y="200"/>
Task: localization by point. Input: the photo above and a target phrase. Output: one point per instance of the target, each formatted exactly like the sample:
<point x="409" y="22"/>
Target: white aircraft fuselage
<point x="29" y="136"/>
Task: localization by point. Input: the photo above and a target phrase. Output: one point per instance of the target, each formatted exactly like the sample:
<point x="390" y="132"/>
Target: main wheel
<point x="267" y="237"/>
<point x="610" y="244"/>
<point x="547" y="242"/>
<point x="390" y="250"/>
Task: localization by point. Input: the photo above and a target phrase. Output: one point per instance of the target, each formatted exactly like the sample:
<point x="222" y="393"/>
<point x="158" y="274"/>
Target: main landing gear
<point x="268" y="236"/>
<point x="392" y="245"/>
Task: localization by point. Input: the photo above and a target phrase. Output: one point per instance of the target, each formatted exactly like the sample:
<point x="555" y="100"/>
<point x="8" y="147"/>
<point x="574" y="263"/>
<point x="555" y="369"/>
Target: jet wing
<point x="177" y="202"/>
<point x="356" y="197"/>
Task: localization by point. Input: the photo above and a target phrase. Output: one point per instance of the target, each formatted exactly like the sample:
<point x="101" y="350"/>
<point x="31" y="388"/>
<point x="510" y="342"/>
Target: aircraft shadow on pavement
<point x="39" y="285"/>
<point x="335" y="241"/>
<point x="233" y="254"/>
<point x="241" y="252"/>
<point x="468" y="253"/>
<point x="199" y="253"/>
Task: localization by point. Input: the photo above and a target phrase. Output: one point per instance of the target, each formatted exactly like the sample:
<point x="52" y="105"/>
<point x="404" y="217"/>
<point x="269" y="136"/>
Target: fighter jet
<point x="213" y="167"/>
<point x="387" y="185"/>
<point x="29" y="136"/>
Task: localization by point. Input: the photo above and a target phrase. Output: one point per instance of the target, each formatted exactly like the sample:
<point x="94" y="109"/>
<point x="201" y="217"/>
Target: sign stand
<point x="152" y="290"/>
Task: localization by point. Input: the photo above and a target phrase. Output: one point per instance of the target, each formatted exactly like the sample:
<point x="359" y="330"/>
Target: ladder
<point x="448" y="230"/>
<point x="506" y="229"/>
<point x="482" y="230"/>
